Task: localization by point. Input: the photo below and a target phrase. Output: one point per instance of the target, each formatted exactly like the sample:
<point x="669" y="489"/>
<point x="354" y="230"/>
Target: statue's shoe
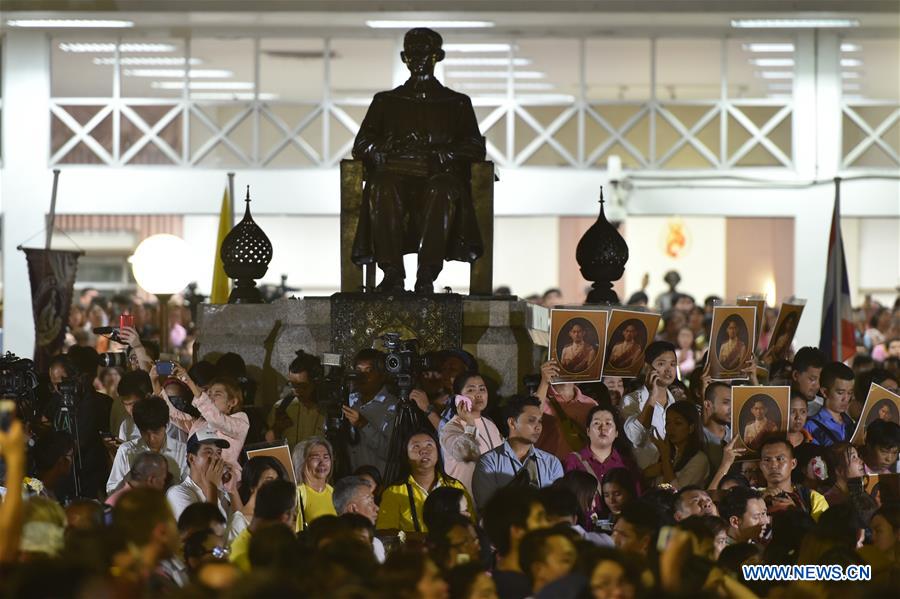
<point x="392" y="281"/>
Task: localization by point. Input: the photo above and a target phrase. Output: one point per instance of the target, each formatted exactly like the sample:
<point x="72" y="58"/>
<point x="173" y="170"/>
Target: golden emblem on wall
<point x="676" y="239"/>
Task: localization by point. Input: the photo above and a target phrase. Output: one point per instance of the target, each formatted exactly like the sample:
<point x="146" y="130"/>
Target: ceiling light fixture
<point x="485" y="62"/>
<point x="494" y="74"/>
<point x="772" y="62"/>
<point x="102" y="48"/>
<point x="474" y="47"/>
<point x="851" y="62"/>
<point x="237" y="85"/>
<point x="70" y="23"/>
<point x="481" y="86"/>
<point x="775" y="74"/>
<point x="430" y="24"/>
<point x="768" y="47"/>
<point x="156" y="61"/>
<point x="852" y="87"/>
<point x="231" y="96"/>
<point x="848" y="47"/>
<point x="193" y="73"/>
<point x="850" y="75"/>
<point x="794" y="23"/>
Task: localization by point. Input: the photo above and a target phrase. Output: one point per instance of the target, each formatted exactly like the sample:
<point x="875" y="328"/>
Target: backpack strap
<point x="412" y="507"/>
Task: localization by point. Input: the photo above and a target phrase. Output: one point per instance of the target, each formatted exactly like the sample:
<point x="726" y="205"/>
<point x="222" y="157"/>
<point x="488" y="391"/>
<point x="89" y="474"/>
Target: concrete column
<point x="26" y="181"/>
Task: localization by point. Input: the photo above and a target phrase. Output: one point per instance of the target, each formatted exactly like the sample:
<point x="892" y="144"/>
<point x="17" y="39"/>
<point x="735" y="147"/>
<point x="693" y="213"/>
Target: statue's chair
<point x="482" y="192"/>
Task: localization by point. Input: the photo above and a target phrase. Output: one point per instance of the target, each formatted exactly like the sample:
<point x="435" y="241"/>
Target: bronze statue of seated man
<point x="417" y="143"/>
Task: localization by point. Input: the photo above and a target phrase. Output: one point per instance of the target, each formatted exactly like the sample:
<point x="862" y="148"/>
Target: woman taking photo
<point x="468" y="434"/>
<point x="420" y="473"/>
<point x="681" y="461"/>
<point x="312" y="462"/>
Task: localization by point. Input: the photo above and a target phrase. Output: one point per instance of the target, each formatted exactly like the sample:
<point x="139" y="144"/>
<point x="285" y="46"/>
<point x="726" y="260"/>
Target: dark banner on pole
<point x="52" y="276"/>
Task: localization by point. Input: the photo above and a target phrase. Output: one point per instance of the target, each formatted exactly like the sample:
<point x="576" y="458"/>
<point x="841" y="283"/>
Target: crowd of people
<point x="134" y="480"/>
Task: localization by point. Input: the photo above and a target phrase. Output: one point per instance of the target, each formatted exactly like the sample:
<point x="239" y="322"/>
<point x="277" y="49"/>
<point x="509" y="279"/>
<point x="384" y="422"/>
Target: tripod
<point x="66" y="420"/>
<point x="408" y="420"/>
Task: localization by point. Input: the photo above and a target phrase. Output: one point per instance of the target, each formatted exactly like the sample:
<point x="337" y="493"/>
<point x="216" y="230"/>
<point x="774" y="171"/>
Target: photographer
<point x="371" y="411"/>
<point x="83" y="412"/>
<point x="297" y="417"/>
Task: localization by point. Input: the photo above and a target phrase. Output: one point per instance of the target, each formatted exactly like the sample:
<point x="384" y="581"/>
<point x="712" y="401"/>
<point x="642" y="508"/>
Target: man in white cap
<point x="208" y="471"/>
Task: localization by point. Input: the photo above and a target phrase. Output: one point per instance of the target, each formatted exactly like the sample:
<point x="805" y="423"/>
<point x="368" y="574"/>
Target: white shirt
<point x="174" y="451"/>
<point x="187" y="493"/>
<point x="633" y="404"/>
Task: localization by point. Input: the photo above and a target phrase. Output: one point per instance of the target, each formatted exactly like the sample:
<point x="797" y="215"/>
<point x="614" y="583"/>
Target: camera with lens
<point x="18" y="381"/>
<point x="403" y="360"/>
<point x="333" y="389"/>
<point x="114" y="359"/>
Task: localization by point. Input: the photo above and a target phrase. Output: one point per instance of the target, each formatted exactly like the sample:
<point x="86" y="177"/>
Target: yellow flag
<point x="221" y="285"/>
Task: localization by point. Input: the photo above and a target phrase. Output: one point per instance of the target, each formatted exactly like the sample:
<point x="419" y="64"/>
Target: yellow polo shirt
<point x="240" y="551"/>
<point x="396" y="512"/>
<point x="315" y="504"/>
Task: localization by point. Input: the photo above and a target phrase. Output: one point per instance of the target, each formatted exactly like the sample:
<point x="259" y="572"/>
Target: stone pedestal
<point x="508" y="337"/>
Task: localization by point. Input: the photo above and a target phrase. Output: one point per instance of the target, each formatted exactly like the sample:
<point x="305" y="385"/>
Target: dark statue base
<point x="507" y="336"/>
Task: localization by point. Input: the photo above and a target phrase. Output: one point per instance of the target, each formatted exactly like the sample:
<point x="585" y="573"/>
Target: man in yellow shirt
<point x="276" y="505"/>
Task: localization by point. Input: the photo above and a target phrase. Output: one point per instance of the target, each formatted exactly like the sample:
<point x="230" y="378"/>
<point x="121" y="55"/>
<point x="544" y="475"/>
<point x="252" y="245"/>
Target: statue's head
<point x="422" y="50"/>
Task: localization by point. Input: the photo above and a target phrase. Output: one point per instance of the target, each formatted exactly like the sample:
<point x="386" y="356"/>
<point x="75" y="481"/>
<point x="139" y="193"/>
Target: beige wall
<point x="759" y="251"/>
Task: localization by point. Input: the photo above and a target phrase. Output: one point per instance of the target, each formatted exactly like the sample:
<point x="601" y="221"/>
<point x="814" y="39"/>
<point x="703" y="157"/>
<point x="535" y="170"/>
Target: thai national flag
<point x="837" y="283"/>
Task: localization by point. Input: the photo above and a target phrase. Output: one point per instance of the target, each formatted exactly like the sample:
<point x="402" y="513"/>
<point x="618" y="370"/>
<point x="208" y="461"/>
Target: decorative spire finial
<point x="247" y="199"/>
<point x="601" y="195"/>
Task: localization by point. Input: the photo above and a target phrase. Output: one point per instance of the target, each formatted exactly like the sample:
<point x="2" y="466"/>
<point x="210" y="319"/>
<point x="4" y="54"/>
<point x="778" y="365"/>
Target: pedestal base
<point x="508" y="337"/>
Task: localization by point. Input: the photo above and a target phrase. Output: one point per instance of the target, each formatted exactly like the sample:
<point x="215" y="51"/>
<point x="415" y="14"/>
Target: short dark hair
<point x="199" y="516"/>
<point x="711" y="390"/>
<point x="883" y="433"/>
<point x="344" y="490"/>
<point x="368" y="354"/>
<point x="85" y="359"/>
<point x="559" y="502"/>
<point x="150" y="413"/>
<point x="275" y="499"/>
<point x="135" y="383"/>
<point x="533" y="548"/>
<point x="510" y="506"/>
<point x="638" y="297"/>
<point x="643" y="515"/>
<point x="680" y="494"/>
<point x="138" y="512"/>
<point x="441" y="504"/>
<point x="516" y="405"/>
<point x="834" y="371"/>
<point x="734" y="501"/>
<point x="777" y="439"/>
<point x="808" y="357"/>
<point x="656" y="349"/>
<point x="307" y="363"/>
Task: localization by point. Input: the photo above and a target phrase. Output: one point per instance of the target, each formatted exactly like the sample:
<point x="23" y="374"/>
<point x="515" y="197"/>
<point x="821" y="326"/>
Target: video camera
<point x="18" y="381"/>
<point x="403" y="361"/>
<point x="333" y="389"/>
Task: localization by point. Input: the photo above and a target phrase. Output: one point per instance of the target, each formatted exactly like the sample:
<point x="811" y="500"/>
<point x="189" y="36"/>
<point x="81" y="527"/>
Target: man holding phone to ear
<point x="645" y="409"/>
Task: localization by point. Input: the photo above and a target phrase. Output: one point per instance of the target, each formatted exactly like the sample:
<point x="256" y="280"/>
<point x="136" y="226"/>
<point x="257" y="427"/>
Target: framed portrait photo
<point x="881" y="404"/>
<point x="732" y="341"/>
<point x="784" y="330"/>
<point x="758" y="301"/>
<point x="576" y="342"/>
<point x="627" y="337"/>
<point x="757" y="412"/>
<point x="278" y="450"/>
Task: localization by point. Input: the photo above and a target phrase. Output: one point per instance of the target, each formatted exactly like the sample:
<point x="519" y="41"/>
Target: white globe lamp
<point x="161" y="265"/>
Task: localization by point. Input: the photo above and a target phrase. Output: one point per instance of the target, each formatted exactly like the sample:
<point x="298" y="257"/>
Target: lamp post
<point x="161" y="266"/>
